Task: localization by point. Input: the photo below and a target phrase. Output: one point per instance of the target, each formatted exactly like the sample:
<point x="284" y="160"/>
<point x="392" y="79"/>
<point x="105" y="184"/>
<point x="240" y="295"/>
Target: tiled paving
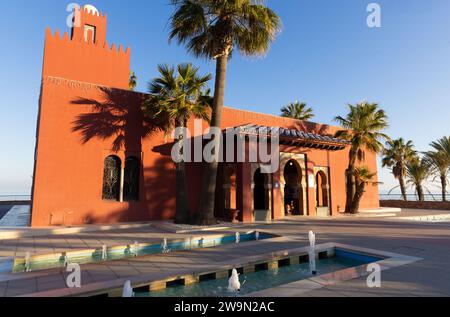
<point x="430" y="241"/>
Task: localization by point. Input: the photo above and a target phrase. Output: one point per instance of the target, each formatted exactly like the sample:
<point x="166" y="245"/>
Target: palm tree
<point x="175" y="97"/>
<point x="439" y="162"/>
<point x="439" y="166"/>
<point x="396" y="155"/>
<point x="212" y="29"/>
<point x="363" y="177"/>
<point x="363" y="128"/>
<point x="297" y="110"/>
<point x="417" y="172"/>
<point x="132" y="83"/>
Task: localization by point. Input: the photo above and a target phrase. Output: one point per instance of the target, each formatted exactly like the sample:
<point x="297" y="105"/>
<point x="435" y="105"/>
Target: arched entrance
<point x="260" y="199"/>
<point x="293" y="193"/>
<point x="262" y="209"/>
<point x="322" y="194"/>
<point x="229" y="193"/>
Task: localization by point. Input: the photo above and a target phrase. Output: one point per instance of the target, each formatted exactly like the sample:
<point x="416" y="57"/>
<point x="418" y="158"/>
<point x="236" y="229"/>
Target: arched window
<point x="131" y="179"/>
<point x="111" y="178"/>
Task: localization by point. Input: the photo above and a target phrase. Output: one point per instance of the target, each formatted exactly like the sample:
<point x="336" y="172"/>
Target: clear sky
<point x="325" y="56"/>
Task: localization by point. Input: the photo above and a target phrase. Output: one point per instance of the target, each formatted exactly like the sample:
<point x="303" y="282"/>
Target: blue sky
<point x="325" y="56"/>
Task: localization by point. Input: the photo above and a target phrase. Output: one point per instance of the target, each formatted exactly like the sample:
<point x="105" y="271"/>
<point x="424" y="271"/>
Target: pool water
<point x="117" y="253"/>
<point x="257" y="281"/>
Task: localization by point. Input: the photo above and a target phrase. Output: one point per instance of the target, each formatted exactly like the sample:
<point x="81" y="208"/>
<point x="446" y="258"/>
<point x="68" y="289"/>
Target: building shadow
<point x="118" y="115"/>
<point x="117" y="120"/>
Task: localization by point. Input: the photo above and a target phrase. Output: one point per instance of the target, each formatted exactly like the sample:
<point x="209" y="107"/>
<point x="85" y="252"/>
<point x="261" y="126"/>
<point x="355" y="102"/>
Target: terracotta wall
<point x="79" y="127"/>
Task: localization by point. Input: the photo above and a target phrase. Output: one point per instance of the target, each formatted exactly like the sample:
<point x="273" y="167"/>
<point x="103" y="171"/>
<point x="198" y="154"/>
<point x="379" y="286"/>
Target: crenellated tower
<point x="86" y="55"/>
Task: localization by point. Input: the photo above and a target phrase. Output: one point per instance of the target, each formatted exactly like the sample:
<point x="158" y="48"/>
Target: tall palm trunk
<point x="360" y="188"/>
<point x="420" y="192"/>
<point x="350" y="187"/>
<point x="402" y="187"/>
<point x="444" y="187"/>
<point x="182" y="206"/>
<point x="205" y="215"/>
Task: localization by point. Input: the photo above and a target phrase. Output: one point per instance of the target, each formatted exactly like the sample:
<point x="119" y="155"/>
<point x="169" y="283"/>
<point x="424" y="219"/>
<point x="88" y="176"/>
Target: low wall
<point x="15" y="203"/>
<point x="434" y="205"/>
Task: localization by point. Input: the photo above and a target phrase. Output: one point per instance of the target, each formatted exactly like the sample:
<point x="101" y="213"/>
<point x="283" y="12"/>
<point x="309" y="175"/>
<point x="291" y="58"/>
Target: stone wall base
<point x="434" y="205"/>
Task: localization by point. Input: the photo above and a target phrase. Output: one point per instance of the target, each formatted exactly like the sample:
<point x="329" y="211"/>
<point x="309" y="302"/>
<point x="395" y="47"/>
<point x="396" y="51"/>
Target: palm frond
<point x="297" y="110"/>
<point x="177" y="95"/>
<point x="363" y="126"/>
<point x="211" y="28"/>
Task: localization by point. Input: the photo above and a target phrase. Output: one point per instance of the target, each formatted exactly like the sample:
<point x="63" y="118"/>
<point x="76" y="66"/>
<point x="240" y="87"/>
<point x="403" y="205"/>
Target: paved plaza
<point x="426" y="240"/>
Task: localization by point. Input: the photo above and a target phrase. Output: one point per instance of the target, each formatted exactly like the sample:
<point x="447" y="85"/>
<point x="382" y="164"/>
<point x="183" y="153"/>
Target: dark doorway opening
<point x="321" y="190"/>
<point x="293" y="194"/>
<point x="259" y="192"/>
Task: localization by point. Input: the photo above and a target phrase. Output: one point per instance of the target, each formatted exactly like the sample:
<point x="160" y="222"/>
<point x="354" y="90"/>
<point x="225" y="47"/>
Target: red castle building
<point x="98" y="160"/>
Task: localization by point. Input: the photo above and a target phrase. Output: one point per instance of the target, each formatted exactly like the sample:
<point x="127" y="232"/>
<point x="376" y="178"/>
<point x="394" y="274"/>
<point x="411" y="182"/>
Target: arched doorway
<point x="293" y="193"/>
<point x="229" y="193"/>
<point x="260" y="199"/>
<point x="322" y="194"/>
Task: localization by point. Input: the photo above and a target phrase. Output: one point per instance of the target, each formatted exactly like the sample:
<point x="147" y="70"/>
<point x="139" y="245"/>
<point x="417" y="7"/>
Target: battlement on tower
<point x="57" y="38"/>
<point x="85" y="55"/>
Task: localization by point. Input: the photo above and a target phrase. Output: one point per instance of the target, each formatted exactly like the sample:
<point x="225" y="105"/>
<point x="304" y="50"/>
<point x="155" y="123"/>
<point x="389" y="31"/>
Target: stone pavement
<point x="16" y="216"/>
<point x="430" y="241"/>
<point x="82" y="240"/>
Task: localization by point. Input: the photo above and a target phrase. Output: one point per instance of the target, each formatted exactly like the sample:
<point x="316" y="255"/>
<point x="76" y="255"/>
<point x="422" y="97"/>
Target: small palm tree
<point x="132" y="83"/>
<point x="363" y="177"/>
<point x="417" y="171"/>
<point x="297" y="110"/>
<point x="213" y="29"/>
<point x="396" y="155"/>
<point x="363" y="128"/>
<point x="175" y="97"/>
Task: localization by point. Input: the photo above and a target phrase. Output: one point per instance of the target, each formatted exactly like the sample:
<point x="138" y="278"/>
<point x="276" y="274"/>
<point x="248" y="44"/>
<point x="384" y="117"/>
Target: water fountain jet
<point x="233" y="283"/>
<point x="136" y="248"/>
<point x="312" y="252"/>
<point x="27" y="261"/>
<point x="238" y="237"/>
<point x="312" y="239"/>
<point x="164" y="246"/>
<point x="127" y="290"/>
<point x="104" y="252"/>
